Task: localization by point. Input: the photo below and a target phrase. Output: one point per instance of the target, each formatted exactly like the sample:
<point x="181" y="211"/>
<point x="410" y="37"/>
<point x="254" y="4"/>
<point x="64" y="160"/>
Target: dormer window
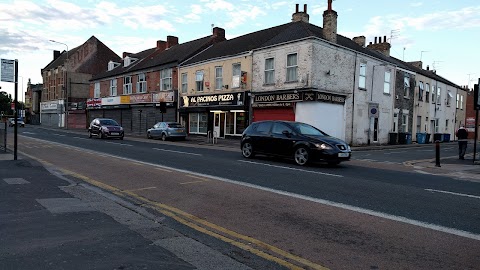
<point x="112" y="65"/>
<point x="127" y="61"/>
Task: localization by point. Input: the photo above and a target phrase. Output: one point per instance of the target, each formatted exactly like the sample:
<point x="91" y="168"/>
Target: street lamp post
<point x="65" y="97"/>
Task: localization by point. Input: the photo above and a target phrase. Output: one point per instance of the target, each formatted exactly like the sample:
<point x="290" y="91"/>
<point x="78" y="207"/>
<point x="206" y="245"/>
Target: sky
<point x="443" y="34"/>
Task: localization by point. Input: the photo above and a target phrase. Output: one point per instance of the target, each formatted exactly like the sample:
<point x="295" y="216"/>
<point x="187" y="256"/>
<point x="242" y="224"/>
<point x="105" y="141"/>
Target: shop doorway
<point x="219" y="124"/>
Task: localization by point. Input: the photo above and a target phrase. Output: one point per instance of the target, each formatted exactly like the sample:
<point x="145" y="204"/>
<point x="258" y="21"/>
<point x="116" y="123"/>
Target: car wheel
<point x="121" y="138"/>
<point x="100" y="135"/>
<point x="148" y="135"/>
<point x="301" y="156"/>
<point x="164" y="137"/>
<point x="89" y="134"/>
<point x="247" y="150"/>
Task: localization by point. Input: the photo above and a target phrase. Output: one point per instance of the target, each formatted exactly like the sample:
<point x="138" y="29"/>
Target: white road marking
<point x="124" y="144"/>
<point x="453" y="193"/>
<point x="81" y="138"/>
<point x="429" y="150"/>
<point x="397" y="152"/>
<point x="61" y="135"/>
<point x="26" y="132"/>
<point x="179" y="152"/>
<point x="405" y="220"/>
<point x="289" y="168"/>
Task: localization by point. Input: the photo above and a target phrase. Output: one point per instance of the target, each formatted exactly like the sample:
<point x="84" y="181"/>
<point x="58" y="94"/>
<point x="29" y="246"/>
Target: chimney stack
<point x="300" y="16"/>
<point x="161" y="45"/>
<point x="125" y="54"/>
<point x="417" y="64"/>
<point x="56" y="54"/>
<point x="360" y="40"/>
<point x="330" y="23"/>
<point x="218" y="34"/>
<point x="382" y="47"/>
<point x="171" y="41"/>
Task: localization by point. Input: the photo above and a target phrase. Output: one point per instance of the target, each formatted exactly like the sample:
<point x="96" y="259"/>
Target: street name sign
<point x="7" y="70"/>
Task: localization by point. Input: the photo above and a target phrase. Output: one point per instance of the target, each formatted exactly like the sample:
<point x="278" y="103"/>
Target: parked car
<point x="300" y="141"/>
<point x="11" y="122"/>
<point x="105" y="128"/>
<point x="167" y="130"/>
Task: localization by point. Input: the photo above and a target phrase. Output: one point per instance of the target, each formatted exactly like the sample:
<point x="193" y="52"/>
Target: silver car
<point x="167" y="130"/>
<point x="11" y="122"/>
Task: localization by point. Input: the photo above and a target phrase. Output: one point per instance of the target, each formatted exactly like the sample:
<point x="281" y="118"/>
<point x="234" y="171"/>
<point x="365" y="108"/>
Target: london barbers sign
<point x="282" y="98"/>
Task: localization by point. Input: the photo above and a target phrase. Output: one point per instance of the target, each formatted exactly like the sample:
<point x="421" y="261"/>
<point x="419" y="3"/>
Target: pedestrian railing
<point x="3" y="136"/>
<point x="212" y="137"/>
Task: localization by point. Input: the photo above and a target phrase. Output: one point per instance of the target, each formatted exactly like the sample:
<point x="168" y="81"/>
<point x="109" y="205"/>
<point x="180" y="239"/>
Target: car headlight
<point x="323" y="146"/>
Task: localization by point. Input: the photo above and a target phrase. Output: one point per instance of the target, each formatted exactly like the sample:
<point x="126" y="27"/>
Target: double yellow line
<point x="247" y="243"/>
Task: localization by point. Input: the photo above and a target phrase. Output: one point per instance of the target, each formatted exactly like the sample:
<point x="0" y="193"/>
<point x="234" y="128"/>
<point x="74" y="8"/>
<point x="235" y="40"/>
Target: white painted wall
<point x="327" y="117"/>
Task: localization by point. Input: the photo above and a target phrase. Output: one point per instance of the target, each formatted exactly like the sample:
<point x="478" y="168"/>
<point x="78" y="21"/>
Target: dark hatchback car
<point x="167" y="130"/>
<point x="302" y="142"/>
<point x="105" y="128"/>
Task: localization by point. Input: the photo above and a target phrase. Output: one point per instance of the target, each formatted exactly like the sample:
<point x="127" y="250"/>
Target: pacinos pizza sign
<point x="287" y="98"/>
<point x="230" y="99"/>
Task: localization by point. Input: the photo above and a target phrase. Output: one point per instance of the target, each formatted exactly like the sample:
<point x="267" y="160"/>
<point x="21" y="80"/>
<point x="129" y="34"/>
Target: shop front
<point x="221" y="115"/>
<point x="321" y="109"/>
<point x="52" y="113"/>
<point x="135" y="113"/>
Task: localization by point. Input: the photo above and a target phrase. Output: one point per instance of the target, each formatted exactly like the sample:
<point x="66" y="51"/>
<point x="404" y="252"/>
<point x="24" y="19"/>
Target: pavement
<point x="50" y="221"/>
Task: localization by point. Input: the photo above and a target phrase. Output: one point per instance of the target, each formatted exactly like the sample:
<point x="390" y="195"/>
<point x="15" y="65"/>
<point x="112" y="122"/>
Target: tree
<point x="5" y="101"/>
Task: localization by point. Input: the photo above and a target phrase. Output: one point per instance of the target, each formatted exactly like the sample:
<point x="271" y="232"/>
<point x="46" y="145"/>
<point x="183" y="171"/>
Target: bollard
<point x="437" y="153"/>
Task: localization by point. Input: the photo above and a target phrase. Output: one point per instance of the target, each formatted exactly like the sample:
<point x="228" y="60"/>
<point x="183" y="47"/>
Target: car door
<point x="281" y="139"/>
<point x="154" y="132"/>
<point x="260" y="137"/>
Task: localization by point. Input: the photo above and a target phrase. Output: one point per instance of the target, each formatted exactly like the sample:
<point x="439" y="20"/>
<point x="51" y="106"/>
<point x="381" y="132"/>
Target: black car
<point x="300" y="141"/>
<point x="105" y="128"/>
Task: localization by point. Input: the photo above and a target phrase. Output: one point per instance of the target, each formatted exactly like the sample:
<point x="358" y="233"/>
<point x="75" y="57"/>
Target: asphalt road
<point x="280" y="192"/>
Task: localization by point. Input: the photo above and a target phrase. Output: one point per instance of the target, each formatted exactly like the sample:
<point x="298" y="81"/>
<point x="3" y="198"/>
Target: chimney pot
<point x="384" y="38"/>
<point x="375" y="40"/>
<point x="125" y="54"/>
<point x="305" y="8"/>
<point x="296" y="8"/>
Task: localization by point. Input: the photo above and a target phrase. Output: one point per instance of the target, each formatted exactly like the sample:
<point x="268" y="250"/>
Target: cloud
<point x="417" y="4"/>
<point x="240" y="16"/>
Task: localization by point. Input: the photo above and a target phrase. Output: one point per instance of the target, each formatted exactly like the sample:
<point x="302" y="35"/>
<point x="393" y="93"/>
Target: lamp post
<point x="65" y="97"/>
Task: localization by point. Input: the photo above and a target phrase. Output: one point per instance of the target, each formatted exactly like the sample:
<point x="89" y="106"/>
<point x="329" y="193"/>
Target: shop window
<point x="198" y="123"/>
<point x="236" y="122"/>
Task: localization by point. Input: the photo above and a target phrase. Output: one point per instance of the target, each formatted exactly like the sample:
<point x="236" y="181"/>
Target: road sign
<point x="373" y="110"/>
<point x="7" y="70"/>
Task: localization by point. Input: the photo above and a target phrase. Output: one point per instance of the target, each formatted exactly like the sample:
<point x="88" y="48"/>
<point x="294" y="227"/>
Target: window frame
<point x="113" y="87"/>
<point x="427" y="92"/>
<point x="218" y="79"/>
<point x="141" y="83"/>
<point x="270" y="71"/>
<point x="420" y="91"/>
<point x="166" y="79"/>
<point x="293" y="67"/>
<point x="406" y="86"/>
<point x="96" y="90"/>
<point x="386" y="83"/>
<point x="184" y="79"/>
<point x="199" y="83"/>
<point x="127" y="85"/>
<point x="362" y="76"/>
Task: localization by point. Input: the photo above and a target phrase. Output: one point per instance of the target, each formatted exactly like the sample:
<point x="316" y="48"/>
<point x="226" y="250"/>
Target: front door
<point x="219" y="124"/>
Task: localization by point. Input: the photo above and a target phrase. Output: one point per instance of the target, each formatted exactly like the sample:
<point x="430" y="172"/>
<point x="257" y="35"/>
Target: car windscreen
<point x="174" y="125"/>
<point x="308" y="130"/>
<point x="108" y="122"/>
